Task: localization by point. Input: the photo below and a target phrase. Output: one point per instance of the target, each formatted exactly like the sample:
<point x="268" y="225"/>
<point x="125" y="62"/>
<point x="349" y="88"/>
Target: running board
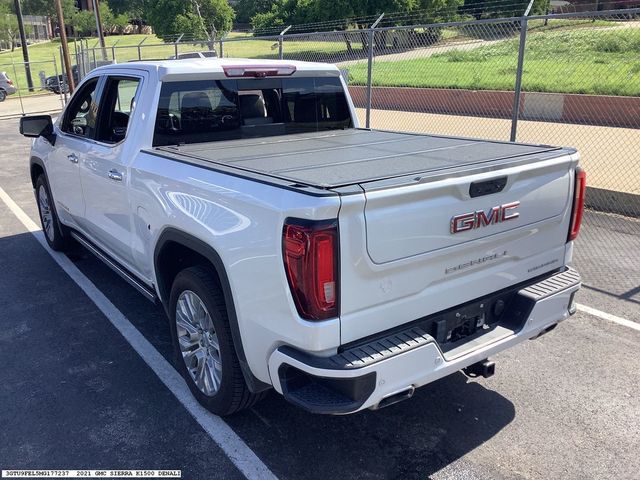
<point x="113" y="265"/>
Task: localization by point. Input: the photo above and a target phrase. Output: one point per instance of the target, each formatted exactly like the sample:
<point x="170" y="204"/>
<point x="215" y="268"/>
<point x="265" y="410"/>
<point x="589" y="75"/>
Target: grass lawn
<point x="42" y="55"/>
<point x="591" y="61"/>
<point x="562" y="57"/>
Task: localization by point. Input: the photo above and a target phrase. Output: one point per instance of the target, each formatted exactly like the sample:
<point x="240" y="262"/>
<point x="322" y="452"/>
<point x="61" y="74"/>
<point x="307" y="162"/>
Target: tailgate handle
<point x="487" y="187"/>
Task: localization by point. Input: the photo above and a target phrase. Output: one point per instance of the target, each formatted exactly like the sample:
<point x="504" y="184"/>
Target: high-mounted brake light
<point x="310" y="251"/>
<point x="578" y="203"/>
<point x="258" y="70"/>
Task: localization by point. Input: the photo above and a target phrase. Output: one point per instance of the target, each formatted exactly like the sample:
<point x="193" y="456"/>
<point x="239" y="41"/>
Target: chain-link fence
<point x="566" y="79"/>
<point x="26" y="87"/>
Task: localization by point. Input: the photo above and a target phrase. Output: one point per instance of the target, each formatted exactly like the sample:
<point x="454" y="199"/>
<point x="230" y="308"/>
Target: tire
<point x="3" y="95"/>
<point x="55" y="233"/>
<point x="213" y="375"/>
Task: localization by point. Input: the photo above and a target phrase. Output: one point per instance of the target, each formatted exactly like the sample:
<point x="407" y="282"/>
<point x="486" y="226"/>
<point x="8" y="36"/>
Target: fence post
<point x="113" y="50"/>
<point x="175" y="44"/>
<point x="63" y="65"/>
<point x="75" y="49"/>
<point x="139" y="51"/>
<point x="221" y="41"/>
<point x="370" y="71"/>
<point x="15" y="75"/>
<point x="55" y="69"/>
<point x="280" y="41"/>
<point x="518" y="88"/>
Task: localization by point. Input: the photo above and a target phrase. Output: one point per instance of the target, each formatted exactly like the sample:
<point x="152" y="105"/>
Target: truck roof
<point x="198" y="67"/>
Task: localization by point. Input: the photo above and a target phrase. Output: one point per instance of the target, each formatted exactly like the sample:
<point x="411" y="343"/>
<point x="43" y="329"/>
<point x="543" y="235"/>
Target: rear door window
<point x="116" y="108"/>
<point x="212" y="110"/>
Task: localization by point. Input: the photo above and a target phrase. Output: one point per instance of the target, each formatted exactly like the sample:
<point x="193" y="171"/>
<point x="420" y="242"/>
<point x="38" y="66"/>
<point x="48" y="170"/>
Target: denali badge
<point x="480" y="218"/>
<point x="476" y="261"/>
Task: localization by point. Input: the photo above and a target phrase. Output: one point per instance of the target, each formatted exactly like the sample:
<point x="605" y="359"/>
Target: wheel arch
<point x="176" y="250"/>
<point x="36" y="168"/>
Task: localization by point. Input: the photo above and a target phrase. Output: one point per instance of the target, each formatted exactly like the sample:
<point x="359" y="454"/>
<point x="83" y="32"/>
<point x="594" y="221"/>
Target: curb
<point x="599" y="110"/>
<point x="609" y="201"/>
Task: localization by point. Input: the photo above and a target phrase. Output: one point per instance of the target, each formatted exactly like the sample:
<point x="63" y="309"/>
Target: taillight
<point x="9" y="81"/>
<point x="310" y="251"/>
<point x="578" y="203"/>
<point x="259" y="70"/>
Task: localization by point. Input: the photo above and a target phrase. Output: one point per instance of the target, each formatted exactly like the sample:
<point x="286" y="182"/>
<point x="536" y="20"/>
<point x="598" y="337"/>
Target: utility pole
<point x="65" y="47"/>
<point x="23" y="42"/>
<point x="96" y="11"/>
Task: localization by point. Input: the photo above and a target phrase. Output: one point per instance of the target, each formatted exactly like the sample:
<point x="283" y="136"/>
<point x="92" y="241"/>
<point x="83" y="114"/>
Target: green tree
<point x="201" y="19"/>
<point x="8" y="25"/>
<point x="130" y="8"/>
<point x="48" y="8"/>
<point x="503" y="8"/>
<point x="284" y="12"/>
<point x="246" y="9"/>
<point x="83" y="22"/>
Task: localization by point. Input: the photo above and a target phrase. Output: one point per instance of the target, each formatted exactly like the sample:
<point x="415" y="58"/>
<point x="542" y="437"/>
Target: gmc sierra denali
<point x="343" y="267"/>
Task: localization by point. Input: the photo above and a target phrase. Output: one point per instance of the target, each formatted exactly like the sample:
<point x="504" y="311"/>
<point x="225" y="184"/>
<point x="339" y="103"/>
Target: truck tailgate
<point x="412" y="220"/>
<point x="416" y="263"/>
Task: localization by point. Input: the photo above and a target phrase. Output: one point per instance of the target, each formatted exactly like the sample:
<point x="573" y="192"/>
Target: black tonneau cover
<point x="347" y="157"/>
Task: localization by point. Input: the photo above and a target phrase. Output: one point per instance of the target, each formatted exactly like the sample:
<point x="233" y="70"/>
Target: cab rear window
<point x="213" y="110"/>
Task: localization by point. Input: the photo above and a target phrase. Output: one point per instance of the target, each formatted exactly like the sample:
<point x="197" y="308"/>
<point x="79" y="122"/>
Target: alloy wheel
<point x="45" y="213"/>
<point x="199" y="343"/>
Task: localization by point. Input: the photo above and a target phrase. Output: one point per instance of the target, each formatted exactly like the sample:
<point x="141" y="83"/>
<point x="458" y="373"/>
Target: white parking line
<point x="607" y="316"/>
<point x="238" y="452"/>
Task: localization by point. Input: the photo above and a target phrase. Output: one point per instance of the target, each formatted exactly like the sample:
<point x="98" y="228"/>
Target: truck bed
<point x="334" y="159"/>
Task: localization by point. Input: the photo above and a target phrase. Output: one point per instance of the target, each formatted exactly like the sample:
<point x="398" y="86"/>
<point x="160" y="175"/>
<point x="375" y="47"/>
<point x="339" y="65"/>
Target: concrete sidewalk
<point x="15" y="106"/>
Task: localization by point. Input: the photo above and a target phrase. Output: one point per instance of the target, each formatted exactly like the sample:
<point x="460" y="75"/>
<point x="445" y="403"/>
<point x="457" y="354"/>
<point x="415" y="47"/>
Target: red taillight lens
<point x="578" y="203"/>
<point x="258" y="70"/>
<point x="9" y="81"/>
<point x="310" y="251"/>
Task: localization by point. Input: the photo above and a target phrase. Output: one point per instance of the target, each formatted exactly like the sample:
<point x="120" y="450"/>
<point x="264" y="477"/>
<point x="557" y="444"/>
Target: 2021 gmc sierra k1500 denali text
<point x="342" y="267"/>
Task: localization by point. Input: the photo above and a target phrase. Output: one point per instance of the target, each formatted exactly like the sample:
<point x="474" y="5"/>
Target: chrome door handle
<point x="115" y="175"/>
<point x="72" y="158"/>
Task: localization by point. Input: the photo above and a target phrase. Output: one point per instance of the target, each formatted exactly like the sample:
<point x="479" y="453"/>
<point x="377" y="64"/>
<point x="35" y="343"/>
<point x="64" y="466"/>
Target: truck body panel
<point x="428" y="227"/>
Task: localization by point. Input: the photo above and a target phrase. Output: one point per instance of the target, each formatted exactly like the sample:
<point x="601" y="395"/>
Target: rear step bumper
<point x="387" y="369"/>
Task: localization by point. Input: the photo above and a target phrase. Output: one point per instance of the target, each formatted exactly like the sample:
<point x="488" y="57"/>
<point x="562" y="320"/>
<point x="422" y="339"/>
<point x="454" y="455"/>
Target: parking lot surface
<point x="75" y="393"/>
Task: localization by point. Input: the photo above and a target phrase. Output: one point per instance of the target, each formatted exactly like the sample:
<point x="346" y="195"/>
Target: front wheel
<point x="51" y="226"/>
<point x="203" y="345"/>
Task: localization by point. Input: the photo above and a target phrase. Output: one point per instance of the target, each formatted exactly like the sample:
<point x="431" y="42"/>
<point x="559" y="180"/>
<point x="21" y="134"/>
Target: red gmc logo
<point x="480" y="218"/>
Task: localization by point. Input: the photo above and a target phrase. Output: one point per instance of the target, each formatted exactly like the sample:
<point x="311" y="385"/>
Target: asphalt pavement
<point x="74" y="393"/>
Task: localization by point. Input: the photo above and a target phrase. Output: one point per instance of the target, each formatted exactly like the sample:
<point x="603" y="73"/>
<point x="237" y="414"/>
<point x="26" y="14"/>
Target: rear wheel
<point x="3" y="95"/>
<point x="51" y="226"/>
<point x="203" y="344"/>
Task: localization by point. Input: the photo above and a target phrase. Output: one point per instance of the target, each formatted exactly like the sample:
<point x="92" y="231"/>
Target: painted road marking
<point x="233" y="446"/>
<point x="607" y="316"/>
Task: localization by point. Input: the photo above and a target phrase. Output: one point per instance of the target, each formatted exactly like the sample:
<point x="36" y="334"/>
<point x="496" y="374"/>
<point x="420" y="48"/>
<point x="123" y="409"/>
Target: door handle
<point x="72" y="158"/>
<point x="115" y="175"/>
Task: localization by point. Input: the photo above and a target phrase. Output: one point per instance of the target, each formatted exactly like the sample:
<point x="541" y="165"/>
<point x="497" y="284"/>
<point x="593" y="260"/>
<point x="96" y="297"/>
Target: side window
<point x="117" y="106"/>
<point x="81" y="115"/>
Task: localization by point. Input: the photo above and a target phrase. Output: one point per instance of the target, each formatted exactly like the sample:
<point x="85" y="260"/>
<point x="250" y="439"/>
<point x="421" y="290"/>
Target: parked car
<point x="203" y="54"/>
<point x="58" y="83"/>
<point x="6" y="86"/>
<point x="342" y="267"/>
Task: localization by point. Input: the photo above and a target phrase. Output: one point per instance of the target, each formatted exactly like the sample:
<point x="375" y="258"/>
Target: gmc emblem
<point x="480" y="218"/>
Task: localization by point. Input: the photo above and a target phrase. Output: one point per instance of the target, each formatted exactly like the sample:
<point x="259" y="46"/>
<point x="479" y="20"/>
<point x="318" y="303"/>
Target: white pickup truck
<point x="342" y="267"/>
